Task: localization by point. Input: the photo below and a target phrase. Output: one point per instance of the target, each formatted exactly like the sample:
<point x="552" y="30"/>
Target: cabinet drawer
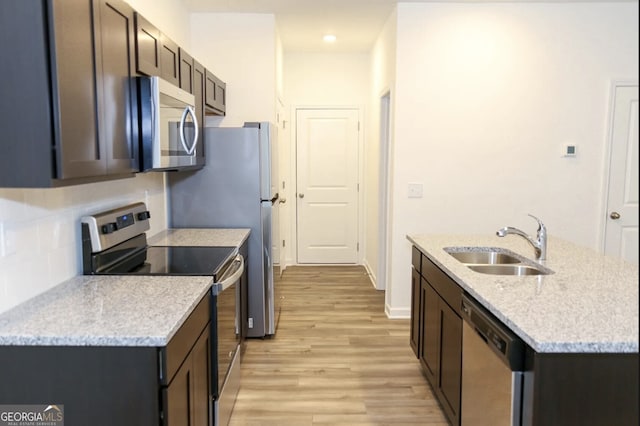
<point x="185" y="338"/>
<point x="446" y="288"/>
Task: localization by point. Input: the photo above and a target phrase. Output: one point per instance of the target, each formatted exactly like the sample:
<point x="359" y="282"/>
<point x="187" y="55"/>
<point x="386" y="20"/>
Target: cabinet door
<point x="79" y="151"/>
<point x="201" y="362"/>
<point x="221" y="96"/>
<point x="451" y="360"/>
<point x="186" y="399"/>
<point x="416" y="295"/>
<point x="117" y="107"/>
<point x="147" y="47"/>
<point x="214" y="94"/>
<point x="186" y="71"/>
<point x="430" y="341"/>
<point x="198" y="94"/>
<point x="169" y="60"/>
<point x="178" y="397"/>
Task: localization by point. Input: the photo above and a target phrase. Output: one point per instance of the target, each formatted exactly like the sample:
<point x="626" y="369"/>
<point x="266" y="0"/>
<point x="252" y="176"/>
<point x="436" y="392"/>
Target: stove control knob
<point x="109" y="228"/>
<point x="143" y="216"/>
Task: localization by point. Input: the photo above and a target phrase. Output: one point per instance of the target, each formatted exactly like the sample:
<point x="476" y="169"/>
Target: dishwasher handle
<point x="502" y="341"/>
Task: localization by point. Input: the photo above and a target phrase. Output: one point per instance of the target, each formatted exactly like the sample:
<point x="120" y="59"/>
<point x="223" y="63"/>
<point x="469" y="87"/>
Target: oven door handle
<point x="227" y="280"/>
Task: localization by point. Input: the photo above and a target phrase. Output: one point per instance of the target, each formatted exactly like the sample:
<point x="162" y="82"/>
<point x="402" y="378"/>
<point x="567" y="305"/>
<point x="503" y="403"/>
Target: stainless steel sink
<point x="484" y="257"/>
<point x="507" y="269"/>
<point x="496" y="261"/>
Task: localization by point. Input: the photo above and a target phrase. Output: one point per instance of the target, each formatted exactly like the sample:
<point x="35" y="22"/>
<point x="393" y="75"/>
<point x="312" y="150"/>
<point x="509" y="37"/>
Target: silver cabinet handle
<point x="282" y="200"/>
<point x="614" y="215"/>
<point x="301" y="195"/>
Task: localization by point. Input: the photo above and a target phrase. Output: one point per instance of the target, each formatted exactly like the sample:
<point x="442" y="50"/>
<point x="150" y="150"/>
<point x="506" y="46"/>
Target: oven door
<point x="226" y="340"/>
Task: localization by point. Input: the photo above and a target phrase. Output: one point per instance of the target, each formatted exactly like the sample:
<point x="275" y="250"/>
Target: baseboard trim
<point x="397" y="313"/>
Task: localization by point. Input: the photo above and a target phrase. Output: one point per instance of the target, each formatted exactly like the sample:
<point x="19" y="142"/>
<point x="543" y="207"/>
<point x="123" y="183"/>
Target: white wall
<point x="40" y="228"/>
<point x="241" y="50"/>
<point x="319" y="80"/>
<point x="486" y="97"/>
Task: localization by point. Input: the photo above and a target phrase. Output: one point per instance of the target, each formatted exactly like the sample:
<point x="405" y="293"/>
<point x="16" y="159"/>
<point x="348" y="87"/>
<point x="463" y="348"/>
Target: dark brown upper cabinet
<point x="156" y="54"/>
<point x="68" y="62"/>
<point x="169" y="60"/>
<point x="198" y="94"/>
<point x="215" y="96"/>
<point x="147" y="47"/>
<point x="186" y="71"/>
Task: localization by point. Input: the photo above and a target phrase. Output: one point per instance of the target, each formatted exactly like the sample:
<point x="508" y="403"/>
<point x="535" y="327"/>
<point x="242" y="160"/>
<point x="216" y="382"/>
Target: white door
<point x="327" y="185"/>
<point x="621" y="230"/>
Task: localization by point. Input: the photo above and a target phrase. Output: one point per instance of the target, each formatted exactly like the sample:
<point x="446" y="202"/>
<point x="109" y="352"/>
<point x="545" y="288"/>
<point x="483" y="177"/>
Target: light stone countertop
<point x="213" y="237"/>
<point x="105" y="310"/>
<point x="589" y="305"/>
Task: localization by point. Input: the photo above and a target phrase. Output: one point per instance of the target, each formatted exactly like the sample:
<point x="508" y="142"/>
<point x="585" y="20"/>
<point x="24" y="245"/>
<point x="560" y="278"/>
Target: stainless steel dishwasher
<point x="492" y="364"/>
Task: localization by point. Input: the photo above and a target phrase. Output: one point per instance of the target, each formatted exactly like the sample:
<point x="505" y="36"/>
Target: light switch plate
<point x="415" y="190"/>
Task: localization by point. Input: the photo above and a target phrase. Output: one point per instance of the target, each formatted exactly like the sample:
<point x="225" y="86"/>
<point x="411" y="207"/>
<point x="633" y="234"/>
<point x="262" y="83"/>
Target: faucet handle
<point x="541" y="227"/>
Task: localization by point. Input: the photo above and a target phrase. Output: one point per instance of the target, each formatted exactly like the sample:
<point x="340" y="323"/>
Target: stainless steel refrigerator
<point x="237" y="188"/>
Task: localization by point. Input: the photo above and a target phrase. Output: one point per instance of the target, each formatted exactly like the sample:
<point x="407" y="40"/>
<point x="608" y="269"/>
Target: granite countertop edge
<point x="114" y="310"/>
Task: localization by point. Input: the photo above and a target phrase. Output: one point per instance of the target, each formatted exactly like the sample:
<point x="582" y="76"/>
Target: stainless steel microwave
<point x="171" y="137"/>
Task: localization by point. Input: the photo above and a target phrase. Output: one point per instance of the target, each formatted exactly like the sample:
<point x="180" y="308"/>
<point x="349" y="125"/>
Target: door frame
<point x="615" y="84"/>
<point x="294" y="175"/>
<point x="384" y="192"/>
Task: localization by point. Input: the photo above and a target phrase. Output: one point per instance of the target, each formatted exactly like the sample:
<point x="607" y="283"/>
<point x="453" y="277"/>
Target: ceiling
<point x="302" y="23"/>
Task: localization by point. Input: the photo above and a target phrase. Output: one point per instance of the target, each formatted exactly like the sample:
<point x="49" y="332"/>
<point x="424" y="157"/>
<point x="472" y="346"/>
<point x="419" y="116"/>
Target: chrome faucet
<point x="539" y="243"/>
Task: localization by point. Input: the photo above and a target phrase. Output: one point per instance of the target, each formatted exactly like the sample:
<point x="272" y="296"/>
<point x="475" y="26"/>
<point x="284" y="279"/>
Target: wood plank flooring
<point x="336" y="359"/>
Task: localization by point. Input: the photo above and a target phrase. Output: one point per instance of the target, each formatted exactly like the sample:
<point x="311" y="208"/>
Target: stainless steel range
<point x="114" y="243"/>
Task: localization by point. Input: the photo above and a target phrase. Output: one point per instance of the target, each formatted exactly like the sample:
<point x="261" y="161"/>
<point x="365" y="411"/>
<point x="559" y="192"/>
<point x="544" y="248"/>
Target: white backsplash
<point x="40" y="238"/>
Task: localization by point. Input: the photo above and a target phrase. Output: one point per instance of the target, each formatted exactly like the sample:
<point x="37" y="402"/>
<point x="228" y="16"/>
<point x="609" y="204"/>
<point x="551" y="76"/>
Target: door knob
<point x="614" y="215"/>
<point x="301" y="195"/>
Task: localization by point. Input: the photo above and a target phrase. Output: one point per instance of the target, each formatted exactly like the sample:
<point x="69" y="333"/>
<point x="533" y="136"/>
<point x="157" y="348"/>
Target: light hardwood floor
<point x="336" y="359"/>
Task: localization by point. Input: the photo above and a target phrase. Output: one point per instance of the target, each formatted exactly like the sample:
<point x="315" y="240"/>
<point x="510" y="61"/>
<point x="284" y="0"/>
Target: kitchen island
<point x="579" y="324"/>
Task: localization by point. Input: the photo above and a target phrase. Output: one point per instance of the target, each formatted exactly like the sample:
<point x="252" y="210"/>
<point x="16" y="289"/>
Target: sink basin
<point x="496" y="261"/>
<point x="506" y="269"/>
<point x="484" y="257"/>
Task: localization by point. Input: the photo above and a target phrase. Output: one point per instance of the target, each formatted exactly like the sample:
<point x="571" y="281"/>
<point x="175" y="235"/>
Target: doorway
<point x="327" y="192"/>
<point x="621" y="227"/>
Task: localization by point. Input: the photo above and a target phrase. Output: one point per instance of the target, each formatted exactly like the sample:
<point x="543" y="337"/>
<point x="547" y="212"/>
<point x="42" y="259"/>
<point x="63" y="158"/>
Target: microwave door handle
<point x="188" y="150"/>
<point x="154" y="111"/>
<point x="196" y="126"/>
<point x="182" y="120"/>
<point x="235" y="276"/>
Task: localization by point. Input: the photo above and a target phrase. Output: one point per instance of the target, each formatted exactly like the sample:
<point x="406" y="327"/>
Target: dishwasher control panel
<point x="504" y="342"/>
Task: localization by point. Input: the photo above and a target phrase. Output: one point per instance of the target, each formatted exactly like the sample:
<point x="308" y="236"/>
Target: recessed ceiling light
<point x="329" y="38"/>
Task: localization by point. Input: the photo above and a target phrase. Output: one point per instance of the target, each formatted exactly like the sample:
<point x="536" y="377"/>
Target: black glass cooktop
<point x="177" y="260"/>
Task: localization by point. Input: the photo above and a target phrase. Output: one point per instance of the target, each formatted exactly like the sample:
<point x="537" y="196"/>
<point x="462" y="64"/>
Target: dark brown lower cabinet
<point x="118" y="385"/>
<point x="187" y="396"/>
<point x="416" y="294"/>
<point x="441" y="350"/>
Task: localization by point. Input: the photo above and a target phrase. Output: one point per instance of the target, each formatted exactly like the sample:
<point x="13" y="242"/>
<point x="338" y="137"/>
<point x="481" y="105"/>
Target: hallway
<point x="336" y="359"/>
